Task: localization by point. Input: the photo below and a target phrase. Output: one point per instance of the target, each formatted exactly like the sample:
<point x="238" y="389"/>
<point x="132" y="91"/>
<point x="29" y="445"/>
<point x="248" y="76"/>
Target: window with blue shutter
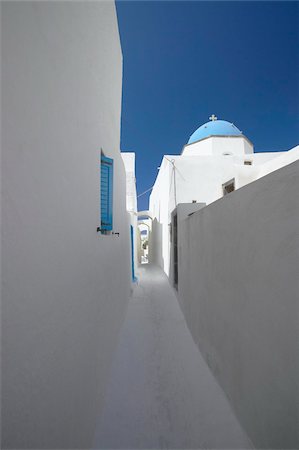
<point x="106" y="193"/>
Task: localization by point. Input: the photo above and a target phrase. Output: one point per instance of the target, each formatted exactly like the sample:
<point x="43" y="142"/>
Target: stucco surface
<point x="131" y="199"/>
<point x="161" y="393"/>
<point x="65" y="288"/>
<point x="199" y="176"/>
<point x="238" y="289"/>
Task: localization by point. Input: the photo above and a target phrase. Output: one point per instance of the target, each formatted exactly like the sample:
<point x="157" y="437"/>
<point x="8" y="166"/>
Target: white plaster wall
<point x="197" y="178"/>
<point x="181" y="211"/>
<point x="139" y="250"/>
<point x="282" y="159"/>
<point x="65" y="288"/>
<point x="159" y="209"/>
<point x="238" y="289"/>
<point x="131" y="195"/>
<point x="263" y="164"/>
<point x="203" y="147"/>
<point x="238" y="146"/>
<point x="217" y="145"/>
<point x="200" y="177"/>
<point x="131" y="198"/>
<point x="262" y="158"/>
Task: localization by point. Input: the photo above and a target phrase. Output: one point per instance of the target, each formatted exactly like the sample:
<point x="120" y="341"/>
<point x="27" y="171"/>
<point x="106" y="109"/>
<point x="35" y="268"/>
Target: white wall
<point x="160" y="211"/>
<point x="65" y="288"/>
<point x="217" y="145"/>
<point x="197" y="178"/>
<point x="200" y="178"/>
<point x="282" y="159"/>
<point x="238" y="288"/>
<point x="181" y="212"/>
<point x="131" y="195"/>
<point x="131" y="199"/>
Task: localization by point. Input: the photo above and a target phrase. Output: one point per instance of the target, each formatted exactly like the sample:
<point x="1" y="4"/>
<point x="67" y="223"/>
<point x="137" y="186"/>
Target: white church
<point x="201" y="366"/>
<point x="217" y="159"/>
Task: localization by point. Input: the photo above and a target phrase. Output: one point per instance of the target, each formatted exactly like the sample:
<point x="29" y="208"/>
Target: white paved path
<point x="161" y="393"/>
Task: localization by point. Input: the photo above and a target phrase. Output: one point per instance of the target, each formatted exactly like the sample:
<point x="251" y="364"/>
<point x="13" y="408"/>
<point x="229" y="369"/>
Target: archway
<point x="144" y="228"/>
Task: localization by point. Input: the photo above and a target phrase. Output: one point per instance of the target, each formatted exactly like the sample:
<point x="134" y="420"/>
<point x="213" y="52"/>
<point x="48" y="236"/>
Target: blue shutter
<point x="106" y="193"/>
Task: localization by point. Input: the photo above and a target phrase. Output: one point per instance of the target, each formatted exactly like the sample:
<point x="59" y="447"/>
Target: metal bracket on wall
<point x="99" y="230"/>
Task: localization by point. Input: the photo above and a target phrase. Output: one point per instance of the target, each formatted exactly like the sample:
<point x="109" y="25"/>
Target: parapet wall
<point x="238" y="289"/>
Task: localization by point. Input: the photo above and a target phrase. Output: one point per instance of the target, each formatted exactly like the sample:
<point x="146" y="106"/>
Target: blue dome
<point x="214" y="128"/>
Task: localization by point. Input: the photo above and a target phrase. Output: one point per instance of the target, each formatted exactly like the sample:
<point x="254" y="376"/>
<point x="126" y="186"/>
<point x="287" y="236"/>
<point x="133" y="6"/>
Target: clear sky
<point x="184" y="61"/>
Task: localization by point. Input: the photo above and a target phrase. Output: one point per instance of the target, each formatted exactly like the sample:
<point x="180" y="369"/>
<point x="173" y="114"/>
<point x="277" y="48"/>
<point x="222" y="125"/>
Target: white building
<point x="131" y="202"/>
<point x="217" y="159"/>
<point x="65" y="286"/>
<point x="237" y="285"/>
<point x="233" y="260"/>
<point x="144" y="234"/>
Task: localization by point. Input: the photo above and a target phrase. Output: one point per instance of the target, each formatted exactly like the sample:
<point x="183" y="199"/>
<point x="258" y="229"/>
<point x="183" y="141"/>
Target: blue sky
<point x="184" y="61"/>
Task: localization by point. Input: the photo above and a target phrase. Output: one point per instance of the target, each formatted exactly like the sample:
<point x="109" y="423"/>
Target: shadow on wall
<point x="155" y="247"/>
<point x="238" y="289"/>
<point x="181" y="213"/>
<point x="171" y="259"/>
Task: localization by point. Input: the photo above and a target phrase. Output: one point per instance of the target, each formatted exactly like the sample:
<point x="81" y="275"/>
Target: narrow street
<point x="161" y="392"/>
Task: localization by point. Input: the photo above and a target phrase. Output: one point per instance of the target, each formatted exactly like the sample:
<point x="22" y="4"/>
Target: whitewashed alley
<point x="161" y="392"/>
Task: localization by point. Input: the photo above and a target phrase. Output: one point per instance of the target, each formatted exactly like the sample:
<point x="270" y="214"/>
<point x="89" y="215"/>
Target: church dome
<point x="214" y="128"/>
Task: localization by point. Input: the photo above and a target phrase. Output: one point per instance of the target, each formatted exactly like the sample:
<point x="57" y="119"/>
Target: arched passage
<point x="144" y="228"/>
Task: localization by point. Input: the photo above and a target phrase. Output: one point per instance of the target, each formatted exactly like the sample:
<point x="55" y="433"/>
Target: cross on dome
<point x="213" y="117"/>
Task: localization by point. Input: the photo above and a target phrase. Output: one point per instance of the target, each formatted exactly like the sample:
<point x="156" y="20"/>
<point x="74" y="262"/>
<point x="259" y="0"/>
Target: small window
<point x="228" y="187"/>
<point x="106" y="194"/>
<point x="247" y="163"/>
